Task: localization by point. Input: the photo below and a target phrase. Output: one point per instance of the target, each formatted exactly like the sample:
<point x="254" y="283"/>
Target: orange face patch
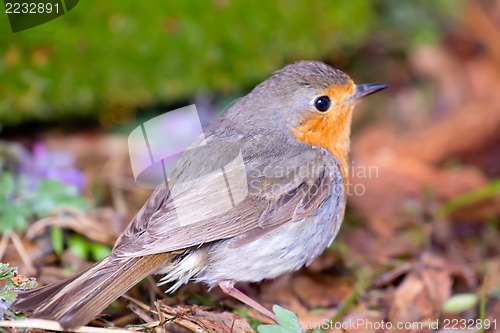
<point x="331" y="129"/>
<point x="340" y="92"/>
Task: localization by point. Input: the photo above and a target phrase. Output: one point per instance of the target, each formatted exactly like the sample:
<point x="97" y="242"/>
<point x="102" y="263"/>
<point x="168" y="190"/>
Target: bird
<point x="292" y="133"/>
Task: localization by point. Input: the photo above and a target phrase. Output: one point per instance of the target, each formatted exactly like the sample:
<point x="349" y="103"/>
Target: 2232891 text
<point x="31" y="8"/>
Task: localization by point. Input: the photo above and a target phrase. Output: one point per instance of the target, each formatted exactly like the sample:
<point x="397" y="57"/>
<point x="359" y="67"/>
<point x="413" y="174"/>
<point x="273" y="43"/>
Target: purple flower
<point x="44" y="164"/>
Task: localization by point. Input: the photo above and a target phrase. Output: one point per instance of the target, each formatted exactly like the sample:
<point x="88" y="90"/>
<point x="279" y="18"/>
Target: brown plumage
<point x="294" y="149"/>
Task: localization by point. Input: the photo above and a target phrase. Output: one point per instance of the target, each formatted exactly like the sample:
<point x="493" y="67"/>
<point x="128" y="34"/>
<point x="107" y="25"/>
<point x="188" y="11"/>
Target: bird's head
<point x="326" y="119"/>
<point x="309" y="100"/>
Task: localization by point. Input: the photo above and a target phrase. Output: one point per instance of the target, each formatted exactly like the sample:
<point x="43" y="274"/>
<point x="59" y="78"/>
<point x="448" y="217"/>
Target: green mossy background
<point x="103" y="59"/>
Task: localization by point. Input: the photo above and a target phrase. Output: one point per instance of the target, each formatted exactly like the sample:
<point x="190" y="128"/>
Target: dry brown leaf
<point x="406" y="177"/>
<point x="365" y="246"/>
<point x="392" y="168"/>
<point x="321" y="291"/>
<point x="324" y="261"/>
<point x="410" y="303"/>
<point x="198" y="320"/>
<point x="460" y="269"/>
<point x="436" y="277"/>
<point x="420" y="296"/>
<point x="279" y="291"/>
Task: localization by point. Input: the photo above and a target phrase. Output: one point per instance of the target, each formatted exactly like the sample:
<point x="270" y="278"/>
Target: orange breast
<point x="331" y="130"/>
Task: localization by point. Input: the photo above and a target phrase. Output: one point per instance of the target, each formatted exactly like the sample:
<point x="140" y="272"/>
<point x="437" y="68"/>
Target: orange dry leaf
<point x="19" y="279"/>
<point x="420" y="296"/>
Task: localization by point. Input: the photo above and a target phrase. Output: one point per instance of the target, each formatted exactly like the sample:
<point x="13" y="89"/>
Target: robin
<point x="292" y="132"/>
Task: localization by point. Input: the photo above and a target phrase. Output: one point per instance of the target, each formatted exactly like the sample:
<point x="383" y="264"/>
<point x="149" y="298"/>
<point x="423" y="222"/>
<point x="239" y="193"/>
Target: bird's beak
<point x="366" y="89"/>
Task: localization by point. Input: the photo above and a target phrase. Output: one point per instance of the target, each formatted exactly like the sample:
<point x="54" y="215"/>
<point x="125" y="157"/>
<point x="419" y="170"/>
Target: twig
<point x="137" y="302"/>
<point x="18" y="244"/>
<point x="139" y="312"/>
<point x="55" y="326"/>
<point x="187" y="323"/>
<point x="161" y="318"/>
<point x="73" y="219"/>
<point x="125" y="320"/>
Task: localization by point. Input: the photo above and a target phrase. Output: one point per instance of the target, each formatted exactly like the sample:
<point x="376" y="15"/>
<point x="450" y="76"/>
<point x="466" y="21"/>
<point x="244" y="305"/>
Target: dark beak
<point x="366" y="89"/>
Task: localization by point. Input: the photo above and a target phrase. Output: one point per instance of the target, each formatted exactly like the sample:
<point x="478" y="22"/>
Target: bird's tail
<point x="77" y="300"/>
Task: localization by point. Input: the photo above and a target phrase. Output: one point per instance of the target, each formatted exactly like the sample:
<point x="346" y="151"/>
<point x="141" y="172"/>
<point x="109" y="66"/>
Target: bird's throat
<point x="330" y="131"/>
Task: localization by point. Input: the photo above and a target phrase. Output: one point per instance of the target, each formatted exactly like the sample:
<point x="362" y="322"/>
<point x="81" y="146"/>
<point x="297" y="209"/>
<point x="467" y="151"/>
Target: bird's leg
<point x="228" y="288"/>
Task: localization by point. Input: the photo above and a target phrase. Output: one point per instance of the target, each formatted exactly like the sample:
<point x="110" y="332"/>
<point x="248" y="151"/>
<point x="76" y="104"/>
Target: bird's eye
<point x="322" y="103"/>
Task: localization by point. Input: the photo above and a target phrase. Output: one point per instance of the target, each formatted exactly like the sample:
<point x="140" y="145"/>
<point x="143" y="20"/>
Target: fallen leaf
<point x="19" y="279"/>
<point x="321" y="291"/>
<point x="422" y="292"/>
<point x="197" y="320"/>
<point x="279" y="291"/>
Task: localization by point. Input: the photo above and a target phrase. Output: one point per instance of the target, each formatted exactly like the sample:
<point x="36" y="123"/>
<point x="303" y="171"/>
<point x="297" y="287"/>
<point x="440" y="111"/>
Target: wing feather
<point x="290" y="188"/>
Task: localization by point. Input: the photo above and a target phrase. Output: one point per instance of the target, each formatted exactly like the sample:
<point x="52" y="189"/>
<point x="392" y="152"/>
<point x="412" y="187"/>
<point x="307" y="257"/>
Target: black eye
<point x="322" y="103"/>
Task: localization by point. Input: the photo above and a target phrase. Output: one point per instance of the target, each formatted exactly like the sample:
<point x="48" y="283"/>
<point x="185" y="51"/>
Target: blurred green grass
<point x="103" y="59"/>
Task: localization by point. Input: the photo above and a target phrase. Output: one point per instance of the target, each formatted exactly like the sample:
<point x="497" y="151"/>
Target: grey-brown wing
<point x="289" y="184"/>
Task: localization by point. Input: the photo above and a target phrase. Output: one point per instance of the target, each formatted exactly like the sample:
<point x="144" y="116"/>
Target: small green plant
<point x="78" y="245"/>
<point x="81" y="247"/>
<point x="287" y="322"/>
<point x="460" y="302"/>
<point x="254" y="323"/>
<point x="34" y="183"/>
<point x="10" y="283"/>
<point x="486" y="192"/>
<point x="19" y="201"/>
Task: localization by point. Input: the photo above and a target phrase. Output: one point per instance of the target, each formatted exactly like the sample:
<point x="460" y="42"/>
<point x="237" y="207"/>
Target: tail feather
<point x="75" y="301"/>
